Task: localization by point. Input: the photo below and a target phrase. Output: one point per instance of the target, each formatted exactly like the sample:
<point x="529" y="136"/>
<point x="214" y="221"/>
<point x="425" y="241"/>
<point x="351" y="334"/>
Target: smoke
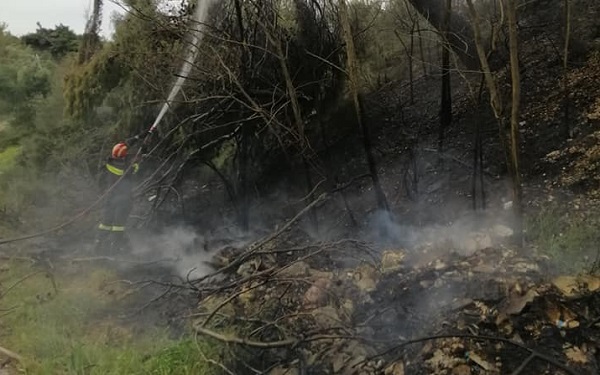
<point x="467" y="234"/>
<point x="186" y="250"/>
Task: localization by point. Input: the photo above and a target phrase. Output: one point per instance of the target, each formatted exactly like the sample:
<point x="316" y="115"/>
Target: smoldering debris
<point x="491" y="311"/>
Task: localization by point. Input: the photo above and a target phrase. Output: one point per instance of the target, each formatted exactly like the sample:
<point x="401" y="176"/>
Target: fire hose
<point x="199" y="17"/>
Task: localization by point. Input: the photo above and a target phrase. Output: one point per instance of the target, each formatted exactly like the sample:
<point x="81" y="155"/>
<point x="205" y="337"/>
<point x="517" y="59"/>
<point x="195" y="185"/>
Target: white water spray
<point x="200" y="16"/>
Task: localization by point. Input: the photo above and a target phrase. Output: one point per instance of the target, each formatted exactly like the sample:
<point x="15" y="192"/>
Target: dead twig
<point x="229" y="299"/>
<point x="241" y="341"/>
<point x="293" y="342"/>
<point x="524" y="364"/>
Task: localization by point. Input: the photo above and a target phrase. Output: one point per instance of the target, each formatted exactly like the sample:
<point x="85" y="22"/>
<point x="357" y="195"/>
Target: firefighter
<point x="119" y="170"/>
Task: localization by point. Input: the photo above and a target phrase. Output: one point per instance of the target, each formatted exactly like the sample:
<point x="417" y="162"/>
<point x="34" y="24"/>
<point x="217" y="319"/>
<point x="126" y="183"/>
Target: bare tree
<point x="565" y="83"/>
<point x="446" y="102"/>
<point x="511" y="11"/>
<point x="246" y="134"/>
<point x="460" y="36"/>
<point x="353" y="77"/>
<point x="511" y="151"/>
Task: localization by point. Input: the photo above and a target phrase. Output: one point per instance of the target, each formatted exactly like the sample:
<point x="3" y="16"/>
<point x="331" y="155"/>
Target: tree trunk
<point x="90" y="40"/>
<point x="243" y="189"/>
<point x="495" y="98"/>
<point x="332" y="178"/>
<point x="303" y="144"/>
<point x="311" y="194"/>
<point x="421" y="50"/>
<point x="245" y="138"/>
<point x="566" y="101"/>
<point x="410" y="64"/>
<point x="291" y="89"/>
<point x="514" y="118"/>
<point x="356" y="99"/>
<point x="409" y="57"/>
<point x="478" y="153"/>
<point x="446" y="102"/>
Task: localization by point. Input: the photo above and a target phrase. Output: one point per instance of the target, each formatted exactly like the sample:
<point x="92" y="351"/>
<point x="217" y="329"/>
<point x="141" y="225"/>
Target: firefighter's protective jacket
<point x="120" y="176"/>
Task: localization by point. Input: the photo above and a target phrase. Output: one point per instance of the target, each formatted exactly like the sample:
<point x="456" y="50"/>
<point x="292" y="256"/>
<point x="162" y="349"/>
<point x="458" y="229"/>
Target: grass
<point x="8" y="157"/>
<point x="73" y="330"/>
<point x="571" y="241"/>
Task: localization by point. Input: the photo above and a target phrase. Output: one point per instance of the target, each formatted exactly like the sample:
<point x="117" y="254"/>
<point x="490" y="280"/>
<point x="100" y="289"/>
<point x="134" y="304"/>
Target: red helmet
<point x="119" y="151"/>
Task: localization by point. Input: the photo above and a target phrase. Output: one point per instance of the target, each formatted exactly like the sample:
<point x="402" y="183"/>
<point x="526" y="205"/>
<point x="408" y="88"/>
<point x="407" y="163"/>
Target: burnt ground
<point x="343" y="295"/>
<point x="345" y="307"/>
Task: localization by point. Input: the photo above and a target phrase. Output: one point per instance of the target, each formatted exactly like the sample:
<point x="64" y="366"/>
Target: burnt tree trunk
<point x="495" y="98"/>
<point x="358" y="105"/>
<point x="422" y="51"/>
<point x="332" y="177"/>
<point x="478" y="154"/>
<point x="303" y="144"/>
<point x="245" y="137"/>
<point x="514" y="118"/>
<point x="409" y="57"/>
<point x="566" y="93"/>
<point x="242" y="190"/>
<point x="446" y="102"/>
<point x="311" y="194"/>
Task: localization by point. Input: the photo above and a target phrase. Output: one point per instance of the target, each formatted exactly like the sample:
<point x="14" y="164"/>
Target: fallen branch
<point x="11" y="354"/>
<point x="524" y="364"/>
<point x="229" y="299"/>
<point x="293" y="342"/>
<point x="241" y="341"/>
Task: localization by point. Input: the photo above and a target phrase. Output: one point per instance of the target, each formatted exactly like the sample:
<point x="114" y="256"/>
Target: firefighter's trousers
<point x="112" y="236"/>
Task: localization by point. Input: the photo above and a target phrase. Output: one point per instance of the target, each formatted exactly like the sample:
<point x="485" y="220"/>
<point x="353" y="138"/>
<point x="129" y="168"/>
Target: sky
<point x="21" y="15"/>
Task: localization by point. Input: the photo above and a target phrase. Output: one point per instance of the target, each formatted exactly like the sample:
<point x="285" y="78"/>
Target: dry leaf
<point x="461" y="370"/>
<point x="396" y="368"/>
<point x="487" y="366"/>
<point x="575" y="354"/>
<point x="571" y="286"/>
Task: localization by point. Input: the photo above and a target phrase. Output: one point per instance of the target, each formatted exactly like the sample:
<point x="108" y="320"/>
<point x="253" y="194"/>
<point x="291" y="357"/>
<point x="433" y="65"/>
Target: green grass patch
<point x="8" y="157"/>
<point x="570" y="240"/>
<point x="68" y="324"/>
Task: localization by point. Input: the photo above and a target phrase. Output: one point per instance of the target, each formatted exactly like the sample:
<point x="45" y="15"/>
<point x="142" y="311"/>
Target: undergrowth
<point x="69" y="324"/>
<point x="569" y="239"/>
